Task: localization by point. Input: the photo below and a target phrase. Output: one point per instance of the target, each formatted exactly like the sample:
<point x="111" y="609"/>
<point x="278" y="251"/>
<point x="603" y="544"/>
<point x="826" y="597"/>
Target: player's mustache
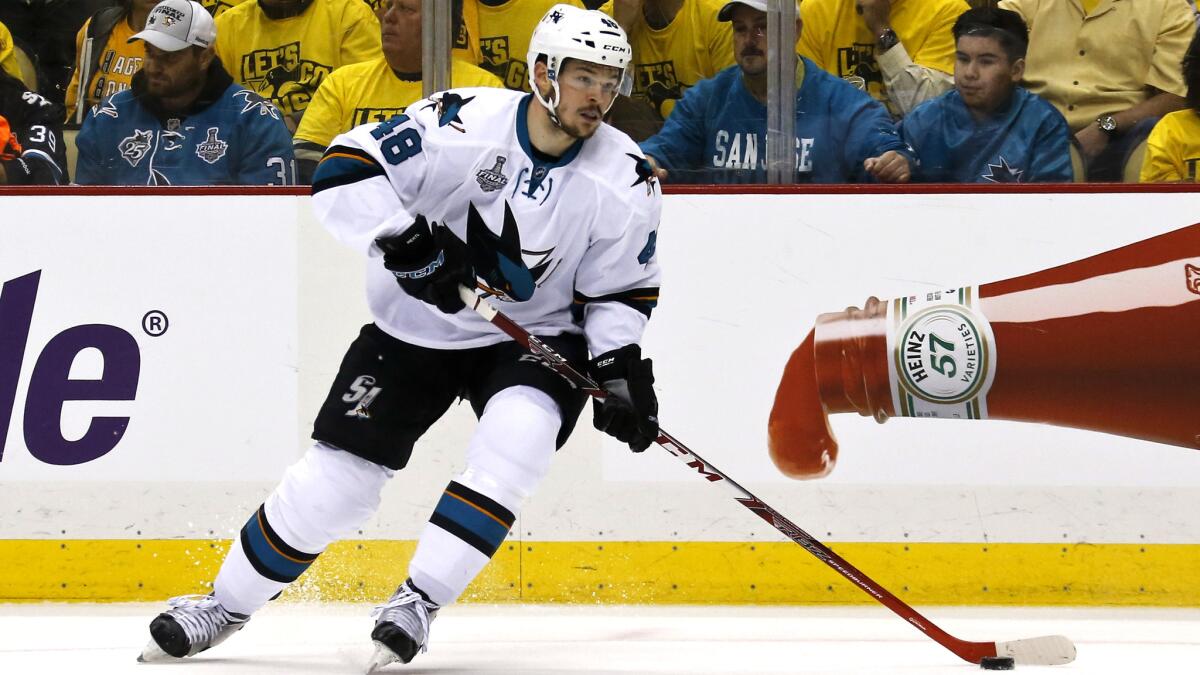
<point x="751" y="51"/>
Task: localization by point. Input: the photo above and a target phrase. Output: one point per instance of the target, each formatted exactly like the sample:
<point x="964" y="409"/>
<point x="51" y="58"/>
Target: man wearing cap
<point x="717" y="132"/>
<point x="183" y="121"/>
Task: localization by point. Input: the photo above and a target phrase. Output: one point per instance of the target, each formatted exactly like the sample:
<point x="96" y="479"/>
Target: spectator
<point x="989" y="129"/>
<point x="376" y="90"/>
<point x="1173" y="148"/>
<point x="46" y="30"/>
<point x="717" y="133"/>
<point x="505" y="27"/>
<point x="1111" y="68"/>
<point x="184" y="121"/>
<point x="283" y="49"/>
<point x="900" y="51"/>
<point x="219" y="7"/>
<point x="31" y="145"/>
<point x="105" y="57"/>
<point x="676" y="43"/>
<point x="8" y="59"/>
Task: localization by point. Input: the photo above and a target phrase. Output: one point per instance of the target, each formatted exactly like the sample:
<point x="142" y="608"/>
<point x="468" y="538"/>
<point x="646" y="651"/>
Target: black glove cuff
<point x="615" y="364"/>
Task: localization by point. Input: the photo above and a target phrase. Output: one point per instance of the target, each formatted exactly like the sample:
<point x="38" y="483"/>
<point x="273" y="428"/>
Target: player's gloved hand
<point x="630" y="412"/>
<point x="429" y="264"/>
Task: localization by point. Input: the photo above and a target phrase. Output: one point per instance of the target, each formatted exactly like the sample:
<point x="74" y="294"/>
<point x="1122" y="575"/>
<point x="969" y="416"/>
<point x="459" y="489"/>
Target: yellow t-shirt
<point x="285" y="60"/>
<point x="372" y="92"/>
<point x="835" y="37"/>
<point x="693" y="47"/>
<point x="8" y="60"/>
<point x="1173" y="149"/>
<point x="115" y="67"/>
<point x="504" y="34"/>
<point x="219" y="7"/>
<point x="1102" y="63"/>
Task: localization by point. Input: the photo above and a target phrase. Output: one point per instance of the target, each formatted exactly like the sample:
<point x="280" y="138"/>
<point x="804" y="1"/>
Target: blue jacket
<point x="717" y="132"/>
<point x="1026" y="141"/>
<point x="228" y="136"/>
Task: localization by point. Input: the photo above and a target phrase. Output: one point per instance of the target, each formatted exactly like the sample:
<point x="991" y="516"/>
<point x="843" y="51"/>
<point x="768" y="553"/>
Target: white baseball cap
<point x="177" y="24"/>
<point x="726" y="13"/>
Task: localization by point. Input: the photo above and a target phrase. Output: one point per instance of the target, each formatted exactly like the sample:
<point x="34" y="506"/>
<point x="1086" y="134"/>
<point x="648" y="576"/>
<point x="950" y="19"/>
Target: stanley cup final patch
<point x="492" y="179"/>
<point x="211" y="148"/>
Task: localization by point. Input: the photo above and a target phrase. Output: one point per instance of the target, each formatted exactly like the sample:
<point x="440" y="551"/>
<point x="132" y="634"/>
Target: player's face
<point x="401" y="24"/>
<point x="171" y="74"/>
<point x="983" y="74"/>
<point x="586" y="91"/>
<point x="750" y="40"/>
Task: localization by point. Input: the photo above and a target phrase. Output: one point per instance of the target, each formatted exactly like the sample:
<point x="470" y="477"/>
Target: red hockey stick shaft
<point x="1048" y="650"/>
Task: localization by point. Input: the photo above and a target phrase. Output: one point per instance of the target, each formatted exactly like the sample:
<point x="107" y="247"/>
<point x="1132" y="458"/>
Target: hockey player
<point x="31" y="141"/>
<point x="531" y="200"/>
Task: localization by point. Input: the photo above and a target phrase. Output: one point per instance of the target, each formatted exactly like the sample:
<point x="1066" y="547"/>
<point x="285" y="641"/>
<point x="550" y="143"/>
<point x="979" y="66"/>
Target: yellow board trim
<point x="1159" y="575"/>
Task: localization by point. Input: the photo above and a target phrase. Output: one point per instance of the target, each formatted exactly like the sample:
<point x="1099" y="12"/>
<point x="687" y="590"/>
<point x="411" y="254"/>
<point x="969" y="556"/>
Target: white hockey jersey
<point x="565" y="245"/>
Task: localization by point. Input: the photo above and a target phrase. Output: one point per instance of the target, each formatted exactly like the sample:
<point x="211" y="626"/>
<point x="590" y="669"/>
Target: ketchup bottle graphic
<point x="1109" y="343"/>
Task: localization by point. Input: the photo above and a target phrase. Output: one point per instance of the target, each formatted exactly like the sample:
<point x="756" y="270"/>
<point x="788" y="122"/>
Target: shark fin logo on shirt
<point x="1003" y="173"/>
<point x="448" y="105"/>
<point x="645" y="172"/>
<point x="499" y="259"/>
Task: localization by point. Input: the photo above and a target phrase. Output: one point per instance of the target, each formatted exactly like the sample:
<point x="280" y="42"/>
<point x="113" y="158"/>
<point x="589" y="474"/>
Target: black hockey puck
<point x="997" y="663"/>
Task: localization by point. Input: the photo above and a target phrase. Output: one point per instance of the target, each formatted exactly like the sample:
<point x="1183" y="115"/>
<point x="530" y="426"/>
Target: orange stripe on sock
<point x="259" y="516"/>
<point x="480" y="509"/>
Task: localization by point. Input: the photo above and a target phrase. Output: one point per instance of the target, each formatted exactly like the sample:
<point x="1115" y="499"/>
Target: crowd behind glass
<point x="251" y="92"/>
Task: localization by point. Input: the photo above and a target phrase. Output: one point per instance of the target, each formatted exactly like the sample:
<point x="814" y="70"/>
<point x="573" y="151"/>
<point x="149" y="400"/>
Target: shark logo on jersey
<point x="499" y="259"/>
<point x="1193" y="278"/>
<point x="645" y="172"/>
<point x="448" y="106"/>
<point x="105" y="107"/>
<point x="211" y="149"/>
<point x="1003" y="173"/>
<point x="492" y="179"/>
<point x="134" y="148"/>
<point x="250" y="102"/>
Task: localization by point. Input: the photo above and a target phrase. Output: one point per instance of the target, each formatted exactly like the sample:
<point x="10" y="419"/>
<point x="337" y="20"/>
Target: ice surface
<point x="333" y="638"/>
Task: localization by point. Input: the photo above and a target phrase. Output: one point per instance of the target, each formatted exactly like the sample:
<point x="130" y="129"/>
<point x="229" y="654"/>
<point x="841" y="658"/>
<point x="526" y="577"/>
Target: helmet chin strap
<point x="551" y="106"/>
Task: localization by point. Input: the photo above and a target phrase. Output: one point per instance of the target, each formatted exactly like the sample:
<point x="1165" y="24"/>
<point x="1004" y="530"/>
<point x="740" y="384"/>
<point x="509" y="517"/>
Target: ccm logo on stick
<point x="50" y="384"/>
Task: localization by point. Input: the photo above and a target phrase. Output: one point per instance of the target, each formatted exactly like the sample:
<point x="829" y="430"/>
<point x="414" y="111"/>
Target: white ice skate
<point x="192" y="624"/>
<point x="401" y="627"/>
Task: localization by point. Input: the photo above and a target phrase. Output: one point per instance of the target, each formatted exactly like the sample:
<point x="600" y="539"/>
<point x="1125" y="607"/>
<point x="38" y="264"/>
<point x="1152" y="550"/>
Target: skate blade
<point x="382" y="657"/>
<point x="153" y="653"/>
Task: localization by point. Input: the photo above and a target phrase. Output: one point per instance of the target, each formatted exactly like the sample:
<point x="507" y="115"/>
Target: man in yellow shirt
<point x="1111" y="68"/>
<point x="219" y="7"/>
<point x="375" y="90"/>
<point x="1173" y="148"/>
<point x="283" y="49"/>
<point x="8" y="62"/>
<point x="106" y="60"/>
<point x="676" y="43"/>
<point x="505" y="27"/>
<point x="900" y="51"/>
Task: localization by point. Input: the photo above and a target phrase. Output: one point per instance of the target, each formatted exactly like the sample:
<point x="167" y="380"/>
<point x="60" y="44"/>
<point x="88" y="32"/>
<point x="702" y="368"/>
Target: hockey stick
<point x="1043" y="651"/>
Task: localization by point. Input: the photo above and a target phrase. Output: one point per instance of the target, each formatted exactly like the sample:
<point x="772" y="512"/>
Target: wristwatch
<point x="887" y="39"/>
<point x="1107" y="124"/>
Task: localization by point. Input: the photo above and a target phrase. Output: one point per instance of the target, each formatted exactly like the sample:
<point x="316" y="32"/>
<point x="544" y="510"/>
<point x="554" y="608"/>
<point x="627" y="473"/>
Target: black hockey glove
<point x="630" y="412"/>
<point x="429" y="264"/>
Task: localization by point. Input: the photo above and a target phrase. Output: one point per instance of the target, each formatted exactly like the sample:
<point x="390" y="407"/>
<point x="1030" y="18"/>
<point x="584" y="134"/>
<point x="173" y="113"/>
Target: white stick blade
<point x="1048" y="650"/>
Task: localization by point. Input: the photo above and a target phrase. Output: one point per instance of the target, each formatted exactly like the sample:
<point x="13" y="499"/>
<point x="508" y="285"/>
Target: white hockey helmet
<point x="568" y="32"/>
